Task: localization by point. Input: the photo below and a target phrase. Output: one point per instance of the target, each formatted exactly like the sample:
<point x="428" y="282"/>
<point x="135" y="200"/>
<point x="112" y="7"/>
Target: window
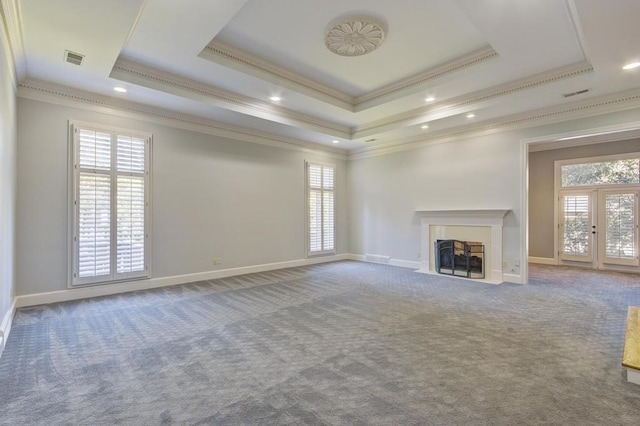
<point x="320" y="209"/>
<point x="614" y="172"/>
<point x="110" y="200"/>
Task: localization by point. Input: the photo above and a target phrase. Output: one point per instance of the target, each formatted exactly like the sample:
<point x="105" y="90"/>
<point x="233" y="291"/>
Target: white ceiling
<point x="221" y="60"/>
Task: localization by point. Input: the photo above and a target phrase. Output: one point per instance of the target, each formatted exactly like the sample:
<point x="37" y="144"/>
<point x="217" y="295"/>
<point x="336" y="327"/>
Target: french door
<point x="599" y="226"/>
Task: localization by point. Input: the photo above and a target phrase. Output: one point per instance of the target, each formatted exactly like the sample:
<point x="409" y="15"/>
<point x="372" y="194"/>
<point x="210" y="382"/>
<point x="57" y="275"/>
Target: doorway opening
<point x="597" y="210"/>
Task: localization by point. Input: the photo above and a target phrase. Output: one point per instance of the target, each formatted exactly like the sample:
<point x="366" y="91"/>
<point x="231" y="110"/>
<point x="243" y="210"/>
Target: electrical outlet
<point x="418" y="255"/>
<point x="516" y="262"/>
<point x="216" y="261"/>
<point x="505" y="264"/>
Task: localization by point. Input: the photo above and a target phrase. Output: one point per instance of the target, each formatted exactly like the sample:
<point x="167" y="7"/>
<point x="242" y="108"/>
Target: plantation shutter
<point x="576" y="227"/>
<point x="130" y="204"/>
<point x="111" y="208"/>
<point x="621" y="227"/>
<point x="94" y="203"/>
<point x="321" y="208"/>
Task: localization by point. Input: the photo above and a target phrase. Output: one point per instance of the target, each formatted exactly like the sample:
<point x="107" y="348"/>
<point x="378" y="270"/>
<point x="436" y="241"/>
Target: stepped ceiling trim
<point x="157" y="79"/>
<point x="63" y="95"/>
<point x="605" y="104"/>
<point x="240" y="60"/>
<point x="462" y="103"/>
<point x="243" y="61"/>
<point x="609" y="134"/>
<point x="144" y="75"/>
<point x="418" y="81"/>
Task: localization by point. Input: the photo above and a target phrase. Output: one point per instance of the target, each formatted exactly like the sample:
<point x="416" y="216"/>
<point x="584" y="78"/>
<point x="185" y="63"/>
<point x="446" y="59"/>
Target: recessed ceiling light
<point x="424" y="126"/>
<point x="336" y="141"/>
<point x="631" y="66"/>
<point x="430" y="99"/>
<point x="120" y="89"/>
<point x="275" y="98"/>
<point x="471" y="115"/>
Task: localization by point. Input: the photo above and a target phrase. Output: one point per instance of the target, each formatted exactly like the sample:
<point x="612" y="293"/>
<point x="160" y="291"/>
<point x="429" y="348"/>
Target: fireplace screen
<point x="460" y="258"/>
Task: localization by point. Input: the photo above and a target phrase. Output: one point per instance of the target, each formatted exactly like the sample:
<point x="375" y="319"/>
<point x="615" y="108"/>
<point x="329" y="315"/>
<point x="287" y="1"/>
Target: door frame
<point x="579" y="136"/>
<point x="595" y="213"/>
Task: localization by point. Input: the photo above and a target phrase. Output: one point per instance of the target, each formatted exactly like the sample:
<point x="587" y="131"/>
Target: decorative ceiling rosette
<point x="355" y="35"/>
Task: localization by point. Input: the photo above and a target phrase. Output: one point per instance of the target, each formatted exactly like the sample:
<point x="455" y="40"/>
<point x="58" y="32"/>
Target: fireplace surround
<point x="435" y="222"/>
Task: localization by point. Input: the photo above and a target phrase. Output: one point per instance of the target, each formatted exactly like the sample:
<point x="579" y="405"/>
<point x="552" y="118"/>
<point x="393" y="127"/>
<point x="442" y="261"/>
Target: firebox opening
<point x="460" y="258"/>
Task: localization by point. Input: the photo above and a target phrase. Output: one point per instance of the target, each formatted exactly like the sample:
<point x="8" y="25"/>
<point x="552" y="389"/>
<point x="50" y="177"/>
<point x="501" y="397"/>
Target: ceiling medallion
<point x="354" y="35"/>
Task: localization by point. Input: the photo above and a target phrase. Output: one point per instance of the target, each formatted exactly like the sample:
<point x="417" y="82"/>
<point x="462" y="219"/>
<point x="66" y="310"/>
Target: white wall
<point x="7" y="179"/>
<point x="212" y="197"/>
<point x="477" y="172"/>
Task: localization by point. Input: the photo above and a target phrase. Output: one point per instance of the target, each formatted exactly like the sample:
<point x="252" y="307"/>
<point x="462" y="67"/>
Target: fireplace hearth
<point x="460" y="258"/>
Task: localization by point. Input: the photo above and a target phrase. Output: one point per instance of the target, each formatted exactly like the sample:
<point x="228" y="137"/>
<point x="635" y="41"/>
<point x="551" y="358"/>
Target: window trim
<point x="73" y="188"/>
<point x="332" y="251"/>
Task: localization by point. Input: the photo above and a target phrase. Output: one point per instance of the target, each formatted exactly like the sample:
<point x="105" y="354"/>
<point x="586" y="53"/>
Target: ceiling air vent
<point x="579" y="92"/>
<point x="73" y="58"/>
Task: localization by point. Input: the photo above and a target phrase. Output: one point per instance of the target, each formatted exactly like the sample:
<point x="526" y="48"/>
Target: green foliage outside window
<point x="618" y="172"/>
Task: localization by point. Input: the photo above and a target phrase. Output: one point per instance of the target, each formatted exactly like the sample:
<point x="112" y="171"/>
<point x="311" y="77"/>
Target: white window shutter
<point x="94" y="225"/>
<point x="320" y="209"/>
<point x="131" y="224"/>
<point x="111" y="219"/>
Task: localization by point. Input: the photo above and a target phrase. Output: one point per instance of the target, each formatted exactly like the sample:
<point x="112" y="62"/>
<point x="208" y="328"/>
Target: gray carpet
<point x="343" y="343"/>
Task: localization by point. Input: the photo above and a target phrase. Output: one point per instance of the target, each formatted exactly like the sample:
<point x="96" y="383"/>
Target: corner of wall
<point x="5" y="326"/>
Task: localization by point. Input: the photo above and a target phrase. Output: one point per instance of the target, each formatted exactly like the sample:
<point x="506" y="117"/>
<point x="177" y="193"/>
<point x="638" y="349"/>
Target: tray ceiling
<point x="223" y="61"/>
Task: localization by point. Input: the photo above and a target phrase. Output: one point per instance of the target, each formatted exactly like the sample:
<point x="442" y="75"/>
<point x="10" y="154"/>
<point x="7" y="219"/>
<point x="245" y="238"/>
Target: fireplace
<point x="463" y="225"/>
<point x="460" y="258"/>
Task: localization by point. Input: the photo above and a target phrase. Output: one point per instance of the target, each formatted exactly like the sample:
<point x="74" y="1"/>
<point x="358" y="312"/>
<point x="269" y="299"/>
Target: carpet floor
<point x="342" y="343"/>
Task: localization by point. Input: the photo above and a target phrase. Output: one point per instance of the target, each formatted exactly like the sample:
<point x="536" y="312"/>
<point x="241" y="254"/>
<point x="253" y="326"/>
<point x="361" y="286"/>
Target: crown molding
<point x="413" y="83"/>
<point x="615" y="133"/>
<point x="463" y="103"/>
<point x="147" y="76"/>
<point x="144" y="75"/>
<point x="228" y="55"/>
<point x="63" y="95"/>
<point x="605" y="104"/>
<point x="67" y="96"/>
<point x="12" y="23"/>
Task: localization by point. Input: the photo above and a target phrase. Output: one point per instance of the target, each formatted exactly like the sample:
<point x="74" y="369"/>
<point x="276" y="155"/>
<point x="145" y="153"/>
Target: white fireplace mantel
<point x="493" y="218"/>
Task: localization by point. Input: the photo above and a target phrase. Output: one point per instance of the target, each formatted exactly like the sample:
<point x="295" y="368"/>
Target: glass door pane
<point x="618" y="213"/>
<point x="575" y="226"/>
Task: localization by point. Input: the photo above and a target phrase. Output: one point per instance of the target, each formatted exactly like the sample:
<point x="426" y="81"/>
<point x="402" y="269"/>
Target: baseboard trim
<point x="5" y="326"/>
<point x="358" y="257"/>
<point x="405" y="263"/>
<point x="129" y="286"/>
<point x="393" y="262"/>
<point x="512" y="278"/>
<point x="543" y="260"/>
